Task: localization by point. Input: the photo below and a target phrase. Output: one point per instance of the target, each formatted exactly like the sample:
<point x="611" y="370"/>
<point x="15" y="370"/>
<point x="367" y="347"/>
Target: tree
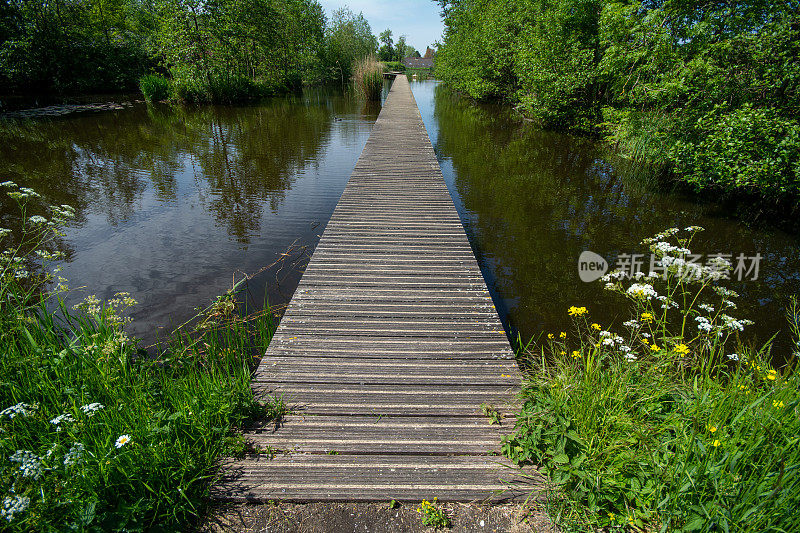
<point x="386" y="52"/>
<point x="400" y="49"/>
<point x="348" y="37"/>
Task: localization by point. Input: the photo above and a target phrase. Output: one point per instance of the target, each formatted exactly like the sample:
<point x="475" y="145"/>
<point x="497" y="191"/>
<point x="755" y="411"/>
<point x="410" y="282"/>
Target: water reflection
<point x="171" y="202"/>
<point x="532" y="201"/>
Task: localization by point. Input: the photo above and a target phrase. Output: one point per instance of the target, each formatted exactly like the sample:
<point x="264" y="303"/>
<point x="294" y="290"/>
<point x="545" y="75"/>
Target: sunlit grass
<point x="665" y="422"/>
<point x="96" y="433"/>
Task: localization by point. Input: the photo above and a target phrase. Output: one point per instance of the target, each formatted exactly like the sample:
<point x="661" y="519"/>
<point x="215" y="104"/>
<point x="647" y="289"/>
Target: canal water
<point x="174" y="204"/>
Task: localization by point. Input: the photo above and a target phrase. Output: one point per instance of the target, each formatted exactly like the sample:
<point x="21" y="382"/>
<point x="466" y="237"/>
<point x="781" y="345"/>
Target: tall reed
<point x="368" y="78"/>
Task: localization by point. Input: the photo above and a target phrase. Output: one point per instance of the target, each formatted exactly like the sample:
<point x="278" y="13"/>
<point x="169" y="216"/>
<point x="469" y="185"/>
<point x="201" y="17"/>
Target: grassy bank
<point x="98" y="435"/>
<point x="664" y="422"/>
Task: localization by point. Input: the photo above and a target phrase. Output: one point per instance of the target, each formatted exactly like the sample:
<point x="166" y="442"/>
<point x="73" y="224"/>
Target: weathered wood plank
<point x="389" y="347"/>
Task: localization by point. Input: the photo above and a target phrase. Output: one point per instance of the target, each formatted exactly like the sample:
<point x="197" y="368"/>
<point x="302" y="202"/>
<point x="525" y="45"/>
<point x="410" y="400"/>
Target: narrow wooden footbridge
<point x="388" y="349"/>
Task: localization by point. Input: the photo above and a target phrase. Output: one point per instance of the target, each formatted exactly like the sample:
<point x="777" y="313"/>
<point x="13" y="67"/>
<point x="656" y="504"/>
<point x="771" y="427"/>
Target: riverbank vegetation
<point x="665" y="421"/>
<point x="210" y="52"/>
<point x="368" y="78"/>
<point x="707" y="93"/>
<point x="97" y="434"/>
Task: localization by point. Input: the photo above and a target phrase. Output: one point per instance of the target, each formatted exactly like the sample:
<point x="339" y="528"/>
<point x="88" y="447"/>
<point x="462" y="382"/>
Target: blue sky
<point x="419" y="20"/>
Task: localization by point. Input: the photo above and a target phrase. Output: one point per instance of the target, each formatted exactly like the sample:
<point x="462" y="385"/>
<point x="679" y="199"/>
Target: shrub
<point x="659" y="425"/>
<point x="155" y="88"/>
<point x="368" y="78"/>
<point x="748" y="150"/>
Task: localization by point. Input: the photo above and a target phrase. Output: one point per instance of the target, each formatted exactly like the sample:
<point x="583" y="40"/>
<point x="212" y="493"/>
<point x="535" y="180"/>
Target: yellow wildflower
<point x="682" y="349"/>
<point x="647" y="317"/>
<point x="596" y="327"/>
<point x="772" y="375"/>
<point x="776" y="403"/>
<point x="611" y="516"/>
<point x="550" y="336"/>
<point x="577" y="311"/>
<point x="712" y="429"/>
<point x="563" y="352"/>
<point x="716" y="443"/>
<point x="654" y="347"/>
<point x="563" y="335"/>
<point x="576" y="354"/>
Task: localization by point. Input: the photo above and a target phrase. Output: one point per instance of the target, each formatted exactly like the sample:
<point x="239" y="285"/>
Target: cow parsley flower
<point x="91" y="409"/>
<point x="66" y="417"/>
<point x="642" y="291"/>
<point x="75" y="454"/>
<point x="23" y="409"/>
<point x="14" y="504"/>
<point x="30" y="464"/>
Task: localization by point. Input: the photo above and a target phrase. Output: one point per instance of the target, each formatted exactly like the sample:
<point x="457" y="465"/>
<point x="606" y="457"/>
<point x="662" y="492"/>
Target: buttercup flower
<point x="577" y="311"/>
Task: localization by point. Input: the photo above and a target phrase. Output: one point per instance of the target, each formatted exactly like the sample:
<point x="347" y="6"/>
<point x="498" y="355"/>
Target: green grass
<point x="155" y="88"/>
<point x="98" y="435"/>
<point x="661" y="425"/>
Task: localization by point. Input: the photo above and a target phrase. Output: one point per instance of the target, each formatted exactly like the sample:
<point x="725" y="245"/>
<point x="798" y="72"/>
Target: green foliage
<point x="97" y="435"/>
<point x="660" y="426"/>
<point x="237" y="49"/>
<point x="348" y="38"/>
<point x="368" y="78"/>
<point x="394" y="66"/>
<point x="669" y="83"/>
<point x="155" y="88"/>
<point x="67" y="47"/>
<point x="749" y="149"/>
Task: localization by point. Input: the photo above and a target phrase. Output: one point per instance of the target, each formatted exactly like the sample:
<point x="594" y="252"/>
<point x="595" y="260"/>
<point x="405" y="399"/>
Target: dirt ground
<point x="371" y="518"/>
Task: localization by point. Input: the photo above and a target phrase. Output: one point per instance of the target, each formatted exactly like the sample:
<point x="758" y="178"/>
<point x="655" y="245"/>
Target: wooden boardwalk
<point x="388" y="348"/>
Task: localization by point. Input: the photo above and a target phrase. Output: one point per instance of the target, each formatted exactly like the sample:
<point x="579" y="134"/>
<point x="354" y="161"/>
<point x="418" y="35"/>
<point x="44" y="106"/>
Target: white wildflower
<point x="631" y="324"/>
<point x="694" y="229"/>
<point x="14" y="504"/>
<point x="4" y="232"/>
<point x="75" y="454"/>
<point x="91" y="409"/>
<point x="57" y="421"/>
<point x="8" y="184"/>
<point x="122" y="441"/>
<point x="642" y="291"/>
<point x="733" y="356"/>
<point x="36" y="219"/>
<point x="703" y="324"/>
<point x="24" y="409"/>
<point x="29" y="463"/>
<point x="707" y="308"/>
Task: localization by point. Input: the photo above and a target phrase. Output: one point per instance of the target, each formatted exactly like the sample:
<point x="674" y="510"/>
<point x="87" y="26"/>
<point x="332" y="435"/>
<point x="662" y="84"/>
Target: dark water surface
<point x="172" y="203"/>
<point x="532" y="201"/>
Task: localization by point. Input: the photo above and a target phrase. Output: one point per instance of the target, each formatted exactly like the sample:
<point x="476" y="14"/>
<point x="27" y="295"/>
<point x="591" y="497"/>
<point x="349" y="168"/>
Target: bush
<point x="96" y="435"/>
<point x="368" y="78"/>
<point x="662" y="426"/>
<point x="746" y="150"/>
<point x="155" y="88"/>
<point x="393" y="66"/>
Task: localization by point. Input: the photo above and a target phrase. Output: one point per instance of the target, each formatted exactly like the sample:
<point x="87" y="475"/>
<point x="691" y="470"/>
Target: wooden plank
<point x="388" y="349"/>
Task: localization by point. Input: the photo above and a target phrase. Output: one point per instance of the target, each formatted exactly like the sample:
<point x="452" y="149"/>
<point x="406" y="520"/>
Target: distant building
<point x="418" y="62"/>
<point x="429" y="53"/>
